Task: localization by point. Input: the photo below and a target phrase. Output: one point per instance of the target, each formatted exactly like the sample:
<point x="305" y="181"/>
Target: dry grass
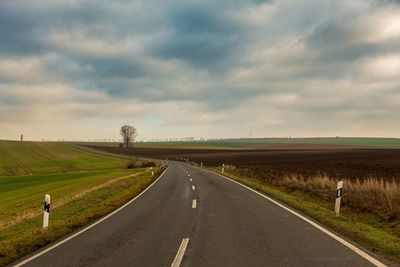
<point x="371" y="195"/>
<point x="374" y="195"/>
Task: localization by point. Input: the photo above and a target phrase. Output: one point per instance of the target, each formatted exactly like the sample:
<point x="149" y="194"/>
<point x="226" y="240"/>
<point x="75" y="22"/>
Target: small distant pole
<point x="152" y="171"/>
<point x="338" y="197"/>
<point x="22" y="137"/>
<point x="223" y="168"/>
<point x="201" y="165"/>
<point x="46" y="211"/>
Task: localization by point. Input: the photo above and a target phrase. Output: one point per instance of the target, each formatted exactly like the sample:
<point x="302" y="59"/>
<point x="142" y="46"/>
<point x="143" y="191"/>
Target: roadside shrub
<point x="131" y="164"/>
<point x="148" y="164"/>
<point x="139" y="164"/>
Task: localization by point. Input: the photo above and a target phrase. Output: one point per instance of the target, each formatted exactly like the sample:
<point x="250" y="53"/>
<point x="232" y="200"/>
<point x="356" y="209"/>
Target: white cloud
<point x="382" y="67"/>
<point x="29" y="69"/>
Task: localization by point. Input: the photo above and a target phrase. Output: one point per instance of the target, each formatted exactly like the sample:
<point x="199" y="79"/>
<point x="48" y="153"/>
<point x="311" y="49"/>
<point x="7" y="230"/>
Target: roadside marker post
<point x="338" y="197"/>
<point x="152" y="171"/>
<point x="46" y="211"/>
<point x="201" y="165"/>
<point x="223" y="168"/>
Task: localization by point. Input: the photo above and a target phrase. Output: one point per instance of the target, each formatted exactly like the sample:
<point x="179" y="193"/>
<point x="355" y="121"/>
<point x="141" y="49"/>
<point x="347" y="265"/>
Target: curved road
<point x="191" y="217"/>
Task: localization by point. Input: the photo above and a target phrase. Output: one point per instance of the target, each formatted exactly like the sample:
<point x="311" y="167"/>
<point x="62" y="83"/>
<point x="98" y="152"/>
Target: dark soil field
<point x="305" y="160"/>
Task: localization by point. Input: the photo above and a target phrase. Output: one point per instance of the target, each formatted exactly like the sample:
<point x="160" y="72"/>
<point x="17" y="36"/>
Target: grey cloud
<point x="386" y="2"/>
<point x="201" y="36"/>
<point x="15" y="32"/>
<point x="337" y="41"/>
<point x="330" y="33"/>
<point x="121" y="68"/>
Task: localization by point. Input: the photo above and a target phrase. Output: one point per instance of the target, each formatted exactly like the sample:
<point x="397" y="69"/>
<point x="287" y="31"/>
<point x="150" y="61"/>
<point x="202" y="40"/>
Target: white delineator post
<point x="46" y="211"/>
<point x="152" y="171"/>
<point x="201" y="165"/>
<point x="338" y="197"/>
<point x="223" y="168"/>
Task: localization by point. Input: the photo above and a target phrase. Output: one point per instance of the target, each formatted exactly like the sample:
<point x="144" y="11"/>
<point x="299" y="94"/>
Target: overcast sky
<point x="222" y="68"/>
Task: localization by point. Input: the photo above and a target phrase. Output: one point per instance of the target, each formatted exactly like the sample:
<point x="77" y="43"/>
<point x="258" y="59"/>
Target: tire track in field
<point x="19" y="164"/>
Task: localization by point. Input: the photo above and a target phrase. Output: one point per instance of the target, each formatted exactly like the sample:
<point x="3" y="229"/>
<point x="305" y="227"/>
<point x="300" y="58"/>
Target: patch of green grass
<point x="26" y="237"/>
<point x="21" y="158"/>
<point x="367" y="230"/>
<point x="264" y="142"/>
<point x="21" y="196"/>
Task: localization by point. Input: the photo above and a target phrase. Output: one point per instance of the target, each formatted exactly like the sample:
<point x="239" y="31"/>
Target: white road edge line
<point x="319" y="227"/>
<point x="88" y="227"/>
<point x="194" y="203"/>
<point x="193" y="187"/>
<point x="181" y="252"/>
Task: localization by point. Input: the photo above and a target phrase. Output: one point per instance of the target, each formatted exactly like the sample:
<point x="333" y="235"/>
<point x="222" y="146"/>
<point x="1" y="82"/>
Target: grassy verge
<point x="25" y="237"/>
<point x="21" y="196"/>
<point x="368" y="230"/>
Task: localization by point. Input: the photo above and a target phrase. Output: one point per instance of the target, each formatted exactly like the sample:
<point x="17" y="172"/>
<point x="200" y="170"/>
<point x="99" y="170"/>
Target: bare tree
<point x="128" y="133"/>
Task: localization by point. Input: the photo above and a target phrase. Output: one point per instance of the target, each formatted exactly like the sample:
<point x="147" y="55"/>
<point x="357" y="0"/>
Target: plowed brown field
<point x="306" y="160"/>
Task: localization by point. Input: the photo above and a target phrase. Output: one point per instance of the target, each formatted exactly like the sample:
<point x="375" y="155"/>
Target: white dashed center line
<point x="193" y="188"/>
<point x="194" y="203"/>
<point x="181" y="252"/>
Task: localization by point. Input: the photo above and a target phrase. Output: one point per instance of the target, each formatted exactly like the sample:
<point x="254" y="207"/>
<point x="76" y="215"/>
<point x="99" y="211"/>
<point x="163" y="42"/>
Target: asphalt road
<point x="227" y="225"/>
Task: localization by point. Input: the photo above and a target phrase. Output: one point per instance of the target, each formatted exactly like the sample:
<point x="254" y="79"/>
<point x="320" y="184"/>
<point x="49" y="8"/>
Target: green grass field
<point x="21" y="158"/>
<point x="60" y="170"/>
<point x="22" y="196"/>
<point x="266" y="142"/>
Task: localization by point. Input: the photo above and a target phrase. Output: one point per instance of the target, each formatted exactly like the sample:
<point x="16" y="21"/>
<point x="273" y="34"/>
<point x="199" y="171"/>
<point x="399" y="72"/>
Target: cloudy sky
<point x="222" y="68"/>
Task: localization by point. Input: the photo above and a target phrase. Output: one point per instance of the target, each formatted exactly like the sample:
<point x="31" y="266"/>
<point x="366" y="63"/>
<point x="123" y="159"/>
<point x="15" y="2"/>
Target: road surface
<point x="191" y="217"/>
